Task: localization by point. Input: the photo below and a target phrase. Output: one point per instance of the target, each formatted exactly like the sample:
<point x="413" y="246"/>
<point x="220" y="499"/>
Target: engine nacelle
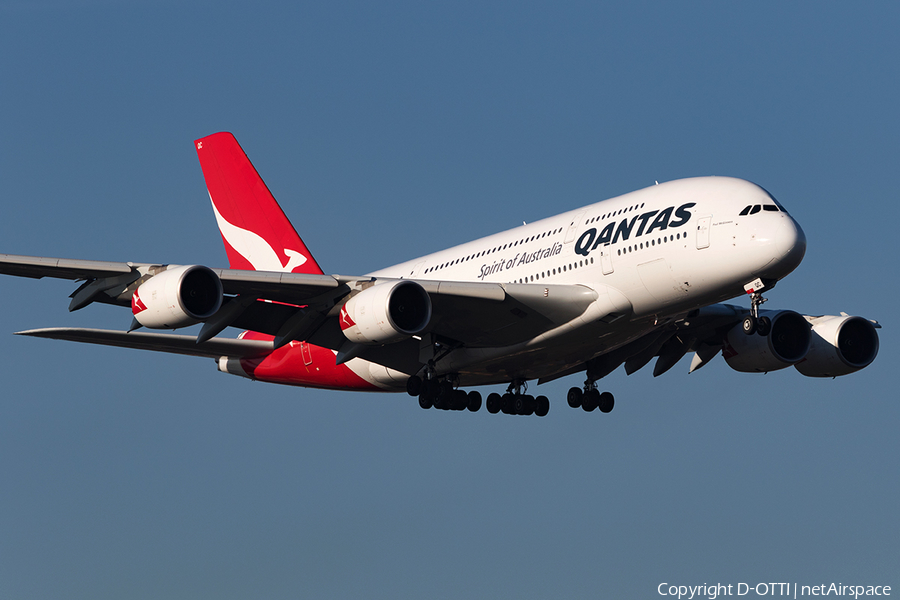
<point x="177" y="297"/>
<point x="840" y="345"/>
<point x="386" y="313"/>
<point x="787" y="342"/>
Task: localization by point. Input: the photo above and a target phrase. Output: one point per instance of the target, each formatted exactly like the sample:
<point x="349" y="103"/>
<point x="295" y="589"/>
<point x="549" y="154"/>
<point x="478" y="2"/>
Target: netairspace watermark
<point x="792" y="590"/>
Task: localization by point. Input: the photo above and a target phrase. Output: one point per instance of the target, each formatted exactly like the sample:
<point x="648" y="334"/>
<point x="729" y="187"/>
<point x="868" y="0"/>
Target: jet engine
<point x="386" y="313"/>
<point x="787" y="342"/>
<point x="840" y="345"/>
<point x="177" y="297"/>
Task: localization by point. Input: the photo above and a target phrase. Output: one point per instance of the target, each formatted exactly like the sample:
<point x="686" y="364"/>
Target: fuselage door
<point x="703" y="232"/>
<point x="573" y="227"/>
<point x="416" y="270"/>
<point x="606" y="259"/>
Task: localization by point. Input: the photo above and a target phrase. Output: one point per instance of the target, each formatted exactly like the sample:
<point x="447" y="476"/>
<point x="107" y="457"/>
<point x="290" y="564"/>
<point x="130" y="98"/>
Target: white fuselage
<point x="655" y="254"/>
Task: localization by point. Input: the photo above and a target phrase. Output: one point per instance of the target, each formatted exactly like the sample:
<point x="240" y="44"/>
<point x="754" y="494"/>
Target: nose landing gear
<point x="753" y="323"/>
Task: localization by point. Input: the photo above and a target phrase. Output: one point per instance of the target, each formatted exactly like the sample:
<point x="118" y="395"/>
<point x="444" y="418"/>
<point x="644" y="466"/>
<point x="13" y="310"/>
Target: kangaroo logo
<point x="254" y="248"/>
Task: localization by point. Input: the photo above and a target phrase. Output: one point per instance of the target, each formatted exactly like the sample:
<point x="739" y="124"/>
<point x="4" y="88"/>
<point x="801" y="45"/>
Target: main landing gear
<point x="440" y="393"/>
<point x="590" y="398"/>
<point x="516" y="402"/>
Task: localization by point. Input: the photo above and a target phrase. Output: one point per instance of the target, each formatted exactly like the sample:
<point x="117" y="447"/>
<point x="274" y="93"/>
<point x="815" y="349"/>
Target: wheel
<point x="606" y="402"/>
<point x="542" y="406"/>
<point x="530" y="405"/>
<point x="519" y="404"/>
<point x="459" y="400"/>
<point x="431" y="388"/>
<point x="764" y="326"/>
<point x="494" y="403"/>
<point x="425" y="401"/>
<point x="473" y="401"/>
<point x="414" y="385"/>
<point x="444" y="400"/>
<point x="523" y="405"/>
<point x="749" y="325"/>
<point x="574" y="397"/>
<point x="590" y="401"/>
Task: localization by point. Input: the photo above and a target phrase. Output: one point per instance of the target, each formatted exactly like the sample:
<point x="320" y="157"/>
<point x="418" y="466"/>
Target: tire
<point x="431" y="388"/>
<point x="606" y="402"/>
<point x="519" y="405"/>
<point x="425" y="402"/>
<point x="473" y="401"/>
<point x="414" y="385"/>
<point x="590" y="401"/>
<point x="494" y="403"/>
<point x="764" y="326"/>
<point x="575" y="397"/>
<point x="748" y="325"/>
<point x="542" y="406"/>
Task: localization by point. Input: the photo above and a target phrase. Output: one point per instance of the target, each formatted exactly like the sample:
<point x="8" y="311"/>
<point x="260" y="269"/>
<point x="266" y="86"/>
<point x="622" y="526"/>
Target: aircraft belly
<point x="484" y="366"/>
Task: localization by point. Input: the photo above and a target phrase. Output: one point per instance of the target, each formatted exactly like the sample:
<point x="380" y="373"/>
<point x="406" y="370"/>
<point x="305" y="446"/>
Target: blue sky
<point x="392" y="130"/>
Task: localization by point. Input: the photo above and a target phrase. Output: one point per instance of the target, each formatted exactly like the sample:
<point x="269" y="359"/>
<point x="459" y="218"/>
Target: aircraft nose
<point x="792" y="241"/>
<point x="787" y="243"/>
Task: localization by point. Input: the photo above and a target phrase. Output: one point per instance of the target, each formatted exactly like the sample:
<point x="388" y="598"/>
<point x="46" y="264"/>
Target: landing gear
<point x="590" y="398"/>
<point x="515" y="402"/>
<point x="441" y="393"/>
<point x="753" y="323"/>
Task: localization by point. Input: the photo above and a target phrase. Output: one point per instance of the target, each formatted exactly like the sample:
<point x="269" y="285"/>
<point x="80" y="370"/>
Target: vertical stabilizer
<point x="257" y="234"/>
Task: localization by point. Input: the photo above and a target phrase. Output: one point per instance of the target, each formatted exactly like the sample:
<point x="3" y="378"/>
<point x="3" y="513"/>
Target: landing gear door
<point x="703" y="232"/>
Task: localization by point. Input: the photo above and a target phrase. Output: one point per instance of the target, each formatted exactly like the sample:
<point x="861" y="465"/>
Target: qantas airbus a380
<point x="615" y="283"/>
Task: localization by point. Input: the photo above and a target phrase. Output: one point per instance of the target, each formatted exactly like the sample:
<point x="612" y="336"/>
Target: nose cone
<point x="788" y="245"/>
<point x="793" y="240"/>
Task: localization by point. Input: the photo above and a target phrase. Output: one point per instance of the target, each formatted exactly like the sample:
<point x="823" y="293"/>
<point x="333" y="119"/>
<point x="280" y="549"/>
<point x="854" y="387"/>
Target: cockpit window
<point x="756" y="208"/>
<point x="777" y="203"/>
<point x="770" y="207"/>
<point x="746" y="211"/>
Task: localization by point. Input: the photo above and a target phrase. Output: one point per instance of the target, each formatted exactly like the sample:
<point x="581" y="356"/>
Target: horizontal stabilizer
<point x="158" y="342"/>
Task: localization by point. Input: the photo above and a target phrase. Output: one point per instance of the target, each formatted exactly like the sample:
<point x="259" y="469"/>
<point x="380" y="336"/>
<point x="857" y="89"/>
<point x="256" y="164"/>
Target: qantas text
<point x="612" y="233"/>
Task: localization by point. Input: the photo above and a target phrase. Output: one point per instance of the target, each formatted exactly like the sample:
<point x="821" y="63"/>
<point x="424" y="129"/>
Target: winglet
<point x="257" y="234"/>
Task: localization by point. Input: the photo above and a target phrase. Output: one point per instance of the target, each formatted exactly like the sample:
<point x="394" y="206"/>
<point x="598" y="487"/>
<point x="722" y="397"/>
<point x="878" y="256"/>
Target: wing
<point x="306" y="307"/>
<point x="474" y="313"/>
<point x="160" y="342"/>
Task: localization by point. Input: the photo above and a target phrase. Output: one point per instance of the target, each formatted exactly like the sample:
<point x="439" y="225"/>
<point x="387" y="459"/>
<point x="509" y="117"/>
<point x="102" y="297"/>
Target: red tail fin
<point x="257" y="234"/>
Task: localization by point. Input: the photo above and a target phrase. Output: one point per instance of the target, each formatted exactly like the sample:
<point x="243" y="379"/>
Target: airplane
<point x="618" y="282"/>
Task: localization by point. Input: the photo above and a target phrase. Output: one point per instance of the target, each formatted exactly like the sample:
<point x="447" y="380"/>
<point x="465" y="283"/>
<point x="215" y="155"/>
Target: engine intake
<point x="386" y="313"/>
<point x="177" y="297"/>
<point x="787" y="342"/>
<point x="840" y="345"/>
